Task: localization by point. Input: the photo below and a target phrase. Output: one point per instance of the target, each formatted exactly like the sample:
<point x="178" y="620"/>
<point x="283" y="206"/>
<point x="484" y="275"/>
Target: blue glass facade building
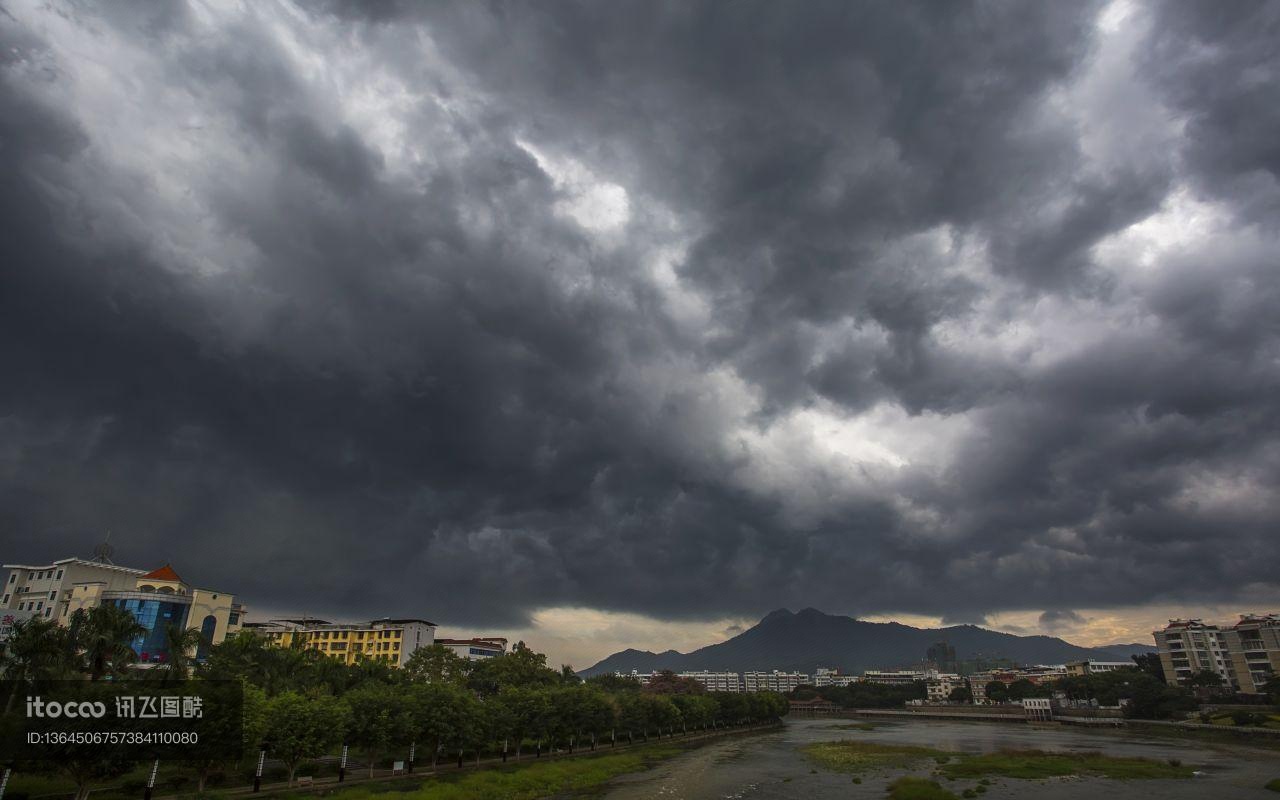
<point x="155" y="616"/>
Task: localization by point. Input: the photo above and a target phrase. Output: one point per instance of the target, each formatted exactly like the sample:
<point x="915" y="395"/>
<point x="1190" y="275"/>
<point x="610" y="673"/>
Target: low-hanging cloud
<point x="684" y="309"/>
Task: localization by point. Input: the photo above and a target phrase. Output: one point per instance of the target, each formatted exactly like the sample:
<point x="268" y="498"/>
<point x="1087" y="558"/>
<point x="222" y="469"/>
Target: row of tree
<point x="423" y="721"/>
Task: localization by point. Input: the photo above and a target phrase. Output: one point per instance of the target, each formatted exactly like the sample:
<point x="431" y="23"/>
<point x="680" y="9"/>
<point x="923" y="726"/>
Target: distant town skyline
<point x="621" y="324"/>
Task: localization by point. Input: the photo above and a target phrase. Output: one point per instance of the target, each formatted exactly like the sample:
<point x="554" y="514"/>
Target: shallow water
<point x="769" y="766"/>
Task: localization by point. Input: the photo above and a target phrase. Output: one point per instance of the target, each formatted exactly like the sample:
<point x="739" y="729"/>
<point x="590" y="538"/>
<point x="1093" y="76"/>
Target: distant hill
<point x="1123" y="651"/>
<point x="810" y="639"/>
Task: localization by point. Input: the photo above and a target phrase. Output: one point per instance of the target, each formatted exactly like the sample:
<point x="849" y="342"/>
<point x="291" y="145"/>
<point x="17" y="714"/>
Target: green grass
<point x="523" y="782"/>
<point x="1273" y="785"/>
<point x="849" y="756"/>
<point x="855" y="726"/>
<point x="1033" y="764"/>
<point x="918" y="789"/>
<point x="857" y="756"/>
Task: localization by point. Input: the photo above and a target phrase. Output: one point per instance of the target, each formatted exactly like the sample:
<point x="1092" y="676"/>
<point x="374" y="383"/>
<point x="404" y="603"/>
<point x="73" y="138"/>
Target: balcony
<point x="164" y="597"/>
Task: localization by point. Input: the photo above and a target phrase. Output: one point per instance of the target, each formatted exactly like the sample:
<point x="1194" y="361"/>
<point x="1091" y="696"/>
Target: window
<point x="59" y="575"/>
<point x="6" y="599"/>
<point x="13" y="576"/>
<point x="53" y="594"/>
<point x="48" y="611"/>
<point x="208" y="627"/>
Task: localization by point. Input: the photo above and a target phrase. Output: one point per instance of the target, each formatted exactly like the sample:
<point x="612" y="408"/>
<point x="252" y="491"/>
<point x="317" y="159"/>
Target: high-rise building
<point x="942" y="656"/>
<point x="158" y="599"/>
<point x="1244" y="655"/>
<point x="1254" y="645"/>
<point x="1188" y="646"/>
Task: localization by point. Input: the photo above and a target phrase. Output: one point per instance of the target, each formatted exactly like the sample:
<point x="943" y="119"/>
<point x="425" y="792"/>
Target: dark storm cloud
<point x="329" y="314"/>
<point x="1055" y="617"/>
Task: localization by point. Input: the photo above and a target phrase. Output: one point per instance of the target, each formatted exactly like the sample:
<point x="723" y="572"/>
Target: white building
<point x="716" y="681"/>
<point x="898" y="678"/>
<point x="832" y="677"/>
<point x="476" y="649"/>
<point x="774" y="681"/>
<point x="938" y="688"/>
<point x="1089" y="667"/>
<point x="45" y="590"/>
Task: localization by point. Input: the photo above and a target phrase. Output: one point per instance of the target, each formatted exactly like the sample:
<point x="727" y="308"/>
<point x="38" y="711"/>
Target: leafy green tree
<point x="961" y="694"/>
<point x="1205" y="678"/>
<point x="614" y="684"/>
<point x="37" y="649"/>
<point x="1154" y="700"/>
<point x="181" y="644"/>
<point x="251" y="725"/>
<point x="435" y="711"/>
<point x="526" y="712"/>
<point x="521" y="668"/>
<point x="997" y="692"/>
<point x="299" y="727"/>
<point x="1150" y="664"/>
<point x="696" y="710"/>
<point x="1272" y="689"/>
<point x="1023" y="688"/>
<point x="568" y="677"/>
<point x="469" y="731"/>
<point x="437" y="664"/>
<point x="379" y="718"/>
<point x="667" y="682"/>
<point x="84" y="772"/>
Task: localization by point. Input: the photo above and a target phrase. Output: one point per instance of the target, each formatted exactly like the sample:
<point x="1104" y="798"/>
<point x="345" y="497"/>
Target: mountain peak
<point x="809" y="639"/>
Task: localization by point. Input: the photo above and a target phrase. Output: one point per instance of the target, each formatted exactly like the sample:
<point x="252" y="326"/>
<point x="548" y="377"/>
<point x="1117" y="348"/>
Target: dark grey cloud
<point x="1057" y="616"/>
<point x="686" y="309"/>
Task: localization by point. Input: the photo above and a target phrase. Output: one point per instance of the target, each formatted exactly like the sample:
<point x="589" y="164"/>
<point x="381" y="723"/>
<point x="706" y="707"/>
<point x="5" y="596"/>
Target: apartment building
<point x="476" y="649"/>
<point x="391" y="641"/>
<point x="1188" y="646"/>
<point x="774" y="681"/>
<point x="158" y="599"/>
<point x="1245" y="655"/>
<point x="1254" y="647"/>
<point x="716" y="681"/>
<point x="897" y="677"/>
<point x="832" y="677"/>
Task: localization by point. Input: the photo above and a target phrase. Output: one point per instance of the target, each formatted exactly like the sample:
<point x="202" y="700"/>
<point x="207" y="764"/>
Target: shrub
<point x="1273" y="785"/>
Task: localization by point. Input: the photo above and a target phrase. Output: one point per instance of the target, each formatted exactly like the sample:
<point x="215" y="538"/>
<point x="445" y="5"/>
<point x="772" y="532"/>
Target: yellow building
<point x="391" y="641"/>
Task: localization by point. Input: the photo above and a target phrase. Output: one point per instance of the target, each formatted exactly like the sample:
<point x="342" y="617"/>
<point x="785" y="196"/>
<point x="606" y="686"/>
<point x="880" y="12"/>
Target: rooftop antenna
<point x="103" y="552"/>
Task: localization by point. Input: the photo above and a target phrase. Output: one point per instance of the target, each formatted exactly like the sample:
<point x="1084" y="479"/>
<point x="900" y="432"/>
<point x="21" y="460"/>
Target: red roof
<point x="165" y="573"/>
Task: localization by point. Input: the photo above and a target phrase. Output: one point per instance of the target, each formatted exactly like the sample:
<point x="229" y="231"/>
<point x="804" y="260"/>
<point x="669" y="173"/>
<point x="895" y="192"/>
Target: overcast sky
<point x="625" y="323"/>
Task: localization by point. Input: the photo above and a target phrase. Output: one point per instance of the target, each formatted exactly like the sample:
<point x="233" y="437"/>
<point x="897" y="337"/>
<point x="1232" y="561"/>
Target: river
<point x="769" y="765"/>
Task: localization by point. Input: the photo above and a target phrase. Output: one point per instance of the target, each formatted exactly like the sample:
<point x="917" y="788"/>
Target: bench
<point x="306" y="780"/>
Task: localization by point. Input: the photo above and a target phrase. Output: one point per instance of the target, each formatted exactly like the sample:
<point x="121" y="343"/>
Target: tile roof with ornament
<point x="164" y="573"/>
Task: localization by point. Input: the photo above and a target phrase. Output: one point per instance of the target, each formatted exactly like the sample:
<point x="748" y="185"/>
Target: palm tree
<point x="104" y="634"/>
<point x="180" y="643"/>
<point x="37" y="649"/>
